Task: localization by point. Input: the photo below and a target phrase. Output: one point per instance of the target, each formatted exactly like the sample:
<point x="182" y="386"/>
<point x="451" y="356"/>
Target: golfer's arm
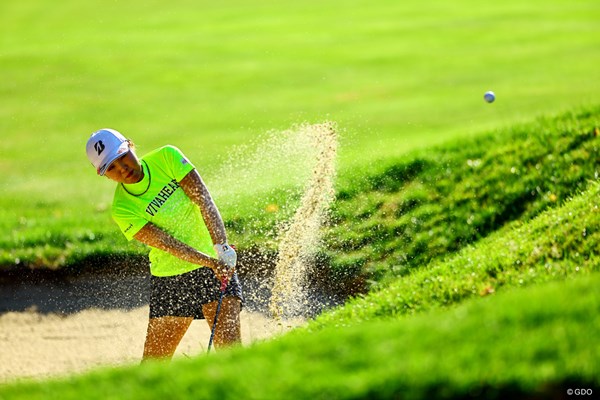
<point x="153" y="236"/>
<point x="194" y="187"/>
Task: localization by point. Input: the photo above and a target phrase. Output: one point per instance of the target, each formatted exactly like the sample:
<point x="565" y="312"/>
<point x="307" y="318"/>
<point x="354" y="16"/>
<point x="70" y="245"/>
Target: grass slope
<point x="559" y="244"/>
<point x="435" y="202"/>
<point x="206" y="76"/>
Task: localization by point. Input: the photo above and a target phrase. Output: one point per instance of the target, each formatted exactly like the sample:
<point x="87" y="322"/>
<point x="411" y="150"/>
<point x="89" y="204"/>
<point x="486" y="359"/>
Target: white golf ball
<point x="489" y="96"/>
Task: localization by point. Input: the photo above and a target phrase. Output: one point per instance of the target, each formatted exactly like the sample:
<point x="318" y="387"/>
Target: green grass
<point x="437" y="201"/>
<point x="559" y="244"/>
<point x="395" y="76"/>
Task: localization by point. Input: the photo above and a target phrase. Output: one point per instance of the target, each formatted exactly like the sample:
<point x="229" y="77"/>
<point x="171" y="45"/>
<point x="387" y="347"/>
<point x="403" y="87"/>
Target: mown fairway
<point x="205" y="77"/>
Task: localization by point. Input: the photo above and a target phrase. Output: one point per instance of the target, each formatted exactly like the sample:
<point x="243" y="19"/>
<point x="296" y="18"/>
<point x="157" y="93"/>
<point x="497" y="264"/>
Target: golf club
<point x="212" y="332"/>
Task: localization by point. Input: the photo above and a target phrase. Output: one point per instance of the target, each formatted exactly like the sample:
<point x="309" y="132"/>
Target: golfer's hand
<point x="222" y="270"/>
<point x="226" y="254"/>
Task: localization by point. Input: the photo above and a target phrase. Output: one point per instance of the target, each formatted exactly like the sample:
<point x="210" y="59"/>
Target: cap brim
<point x="121" y="151"/>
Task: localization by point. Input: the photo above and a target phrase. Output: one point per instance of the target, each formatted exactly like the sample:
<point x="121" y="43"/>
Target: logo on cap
<point x="99" y="146"/>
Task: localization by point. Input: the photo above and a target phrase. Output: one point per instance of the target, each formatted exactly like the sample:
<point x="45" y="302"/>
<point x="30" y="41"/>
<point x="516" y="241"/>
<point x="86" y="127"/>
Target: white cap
<point x="104" y="147"/>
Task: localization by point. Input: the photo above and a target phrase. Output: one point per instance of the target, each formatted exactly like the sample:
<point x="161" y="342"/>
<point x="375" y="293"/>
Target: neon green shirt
<point x="159" y="199"/>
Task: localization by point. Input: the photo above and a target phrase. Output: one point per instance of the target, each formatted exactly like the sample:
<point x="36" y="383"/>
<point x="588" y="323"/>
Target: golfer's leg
<point x="228" y="331"/>
<point x="163" y="336"/>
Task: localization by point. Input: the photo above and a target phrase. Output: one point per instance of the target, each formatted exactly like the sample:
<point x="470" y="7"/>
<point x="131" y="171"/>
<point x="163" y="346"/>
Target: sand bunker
<point x="38" y="345"/>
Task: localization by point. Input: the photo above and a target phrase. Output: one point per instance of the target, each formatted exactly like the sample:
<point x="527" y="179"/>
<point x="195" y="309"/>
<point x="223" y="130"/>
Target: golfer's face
<point x="126" y="169"/>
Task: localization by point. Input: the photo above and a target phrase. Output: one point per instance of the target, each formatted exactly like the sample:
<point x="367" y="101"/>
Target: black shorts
<point x="184" y="295"/>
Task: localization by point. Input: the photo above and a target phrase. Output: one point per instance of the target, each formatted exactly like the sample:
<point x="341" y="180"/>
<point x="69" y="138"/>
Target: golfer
<point x="162" y="201"/>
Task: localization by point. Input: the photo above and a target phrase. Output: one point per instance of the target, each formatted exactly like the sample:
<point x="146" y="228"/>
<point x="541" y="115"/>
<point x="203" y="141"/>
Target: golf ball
<point x="489" y="96"/>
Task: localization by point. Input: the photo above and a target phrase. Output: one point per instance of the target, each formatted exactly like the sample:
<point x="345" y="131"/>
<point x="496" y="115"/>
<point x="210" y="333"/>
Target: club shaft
<point x="212" y="332"/>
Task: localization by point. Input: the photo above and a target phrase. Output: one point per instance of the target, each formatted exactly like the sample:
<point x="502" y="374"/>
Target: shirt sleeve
<point x="179" y="164"/>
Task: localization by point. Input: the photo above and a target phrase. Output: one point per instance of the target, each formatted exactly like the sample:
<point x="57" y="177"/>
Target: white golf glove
<point x="226" y="254"/>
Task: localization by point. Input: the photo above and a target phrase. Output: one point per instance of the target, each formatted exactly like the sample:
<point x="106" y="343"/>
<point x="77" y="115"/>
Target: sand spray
<point x="299" y="240"/>
<point x="304" y="158"/>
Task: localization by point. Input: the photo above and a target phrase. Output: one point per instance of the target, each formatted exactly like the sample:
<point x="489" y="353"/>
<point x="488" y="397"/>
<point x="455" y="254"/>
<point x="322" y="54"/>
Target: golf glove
<point x="226" y="254"/>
